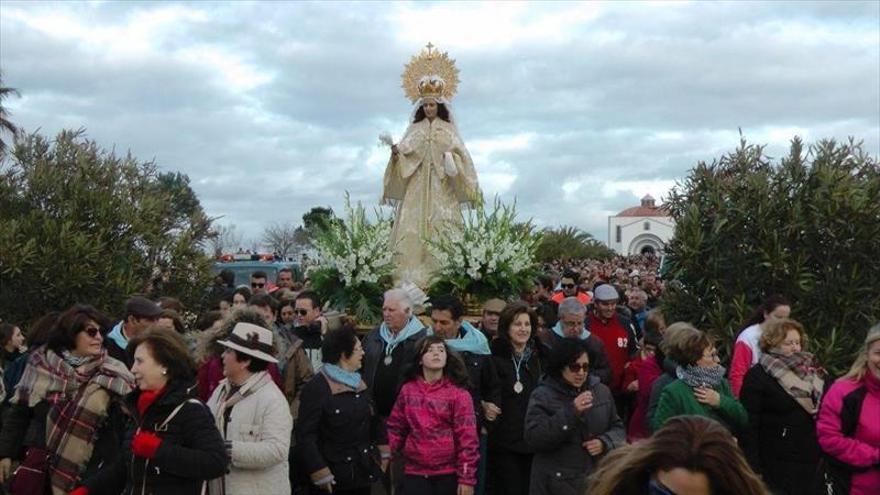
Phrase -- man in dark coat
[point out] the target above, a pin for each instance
(386, 350)
(140, 313)
(572, 315)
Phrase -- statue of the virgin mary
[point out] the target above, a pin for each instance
(430, 175)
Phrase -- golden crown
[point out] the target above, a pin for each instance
(430, 74)
(431, 86)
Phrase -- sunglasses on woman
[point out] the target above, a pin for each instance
(575, 368)
(92, 331)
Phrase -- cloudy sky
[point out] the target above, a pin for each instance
(574, 109)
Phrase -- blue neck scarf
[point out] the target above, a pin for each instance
(472, 341)
(557, 329)
(413, 326)
(117, 336)
(351, 379)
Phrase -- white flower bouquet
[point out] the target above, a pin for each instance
(356, 263)
(488, 255)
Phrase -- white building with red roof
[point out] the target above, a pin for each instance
(640, 229)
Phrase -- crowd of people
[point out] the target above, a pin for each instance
(579, 387)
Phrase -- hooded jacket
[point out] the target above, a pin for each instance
(859, 448)
(434, 428)
(556, 432)
(473, 348)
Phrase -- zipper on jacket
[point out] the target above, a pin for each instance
(144, 479)
(784, 432)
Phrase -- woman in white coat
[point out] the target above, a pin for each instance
(252, 415)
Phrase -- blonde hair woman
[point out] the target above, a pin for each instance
(848, 429)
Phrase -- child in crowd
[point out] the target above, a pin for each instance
(433, 426)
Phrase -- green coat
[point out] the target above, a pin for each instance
(677, 399)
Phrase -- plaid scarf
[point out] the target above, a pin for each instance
(799, 376)
(78, 401)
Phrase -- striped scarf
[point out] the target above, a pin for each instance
(799, 376)
(78, 402)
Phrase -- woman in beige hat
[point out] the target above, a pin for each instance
(252, 415)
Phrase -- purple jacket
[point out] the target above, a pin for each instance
(862, 449)
(434, 426)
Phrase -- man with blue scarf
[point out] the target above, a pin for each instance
(473, 347)
(386, 350)
(140, 313)
(389, 347)
(571, 324)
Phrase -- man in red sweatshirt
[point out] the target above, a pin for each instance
(616, 333)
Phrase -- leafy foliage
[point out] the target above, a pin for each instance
(317, 219)
(356, 263)
(807, 227)
(488, 255)
(6, 126)
(566, 243)
(81, 224)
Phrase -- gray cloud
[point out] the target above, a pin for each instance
(575, 110)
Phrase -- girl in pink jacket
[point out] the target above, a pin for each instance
(849, 424)
(433, 426)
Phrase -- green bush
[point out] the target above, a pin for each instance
(807, 227)
(80, 224)
(570, 243)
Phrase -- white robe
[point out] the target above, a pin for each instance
(425, 194)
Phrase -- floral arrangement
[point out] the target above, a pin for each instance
(488, 255)
(355, 263)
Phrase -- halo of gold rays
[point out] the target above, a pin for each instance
(429, 62)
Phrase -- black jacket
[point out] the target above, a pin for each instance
(484, 382)
(556, 432)
(338, 432)
(192, 450)
(26, 427)
(507, 431)
(780, 442)
(116, 352)
(310, 335)
(385, 391)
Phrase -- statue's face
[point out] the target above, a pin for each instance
(430, 108)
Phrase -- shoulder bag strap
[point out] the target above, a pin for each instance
(174, 413)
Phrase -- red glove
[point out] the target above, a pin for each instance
(80, 491)
(145, 444)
